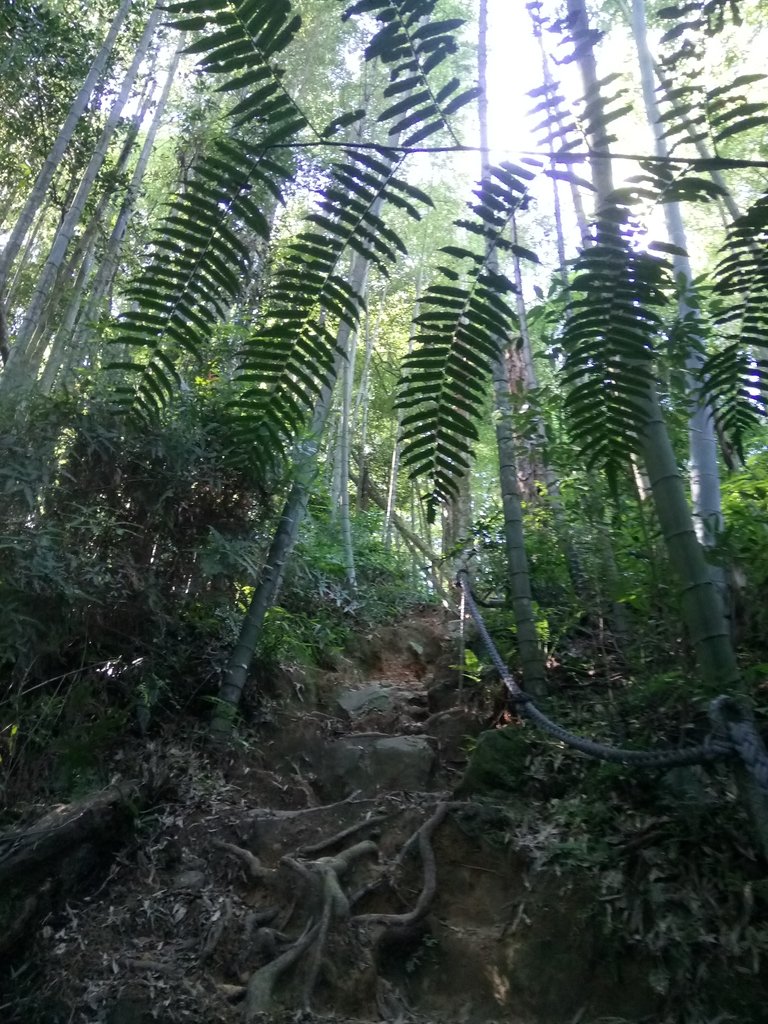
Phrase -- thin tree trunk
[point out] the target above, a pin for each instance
(271, 578)
(358, 274)
(394, 468)
(518, 575)
(540, 463)
(59, 344)
(53, 160)
(10, 199)
(576, 200)
(109, 261)
(704, 471)
(702, 605)
(17, 369)
(360, 412)
(345, 521)
(593, 589)
(83, 246)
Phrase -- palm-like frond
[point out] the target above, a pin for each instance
(286, 361)
(197, 268)
(199, 261)
(691, 113)
(736, 378)
(412, 43)
(610, 336)
(240, 41)
(464, 320)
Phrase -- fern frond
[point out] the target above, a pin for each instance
(558, 130)
(610, 336)
(464, 319)
(412, 43)
(691, 113)
(736, 384)
(196, 270)
(198, 261)
(741, 276)
(736, 378)
(240, 41)
(286, 362)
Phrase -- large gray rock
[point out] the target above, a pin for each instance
(376, 697)
(374, 763)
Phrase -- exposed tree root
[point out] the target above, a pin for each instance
(324, 875)
(325, 902)
(325, 844)
(255, 868)
(43, 864)
(261, 984)
(424, 837)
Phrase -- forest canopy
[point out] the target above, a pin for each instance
(305, 305)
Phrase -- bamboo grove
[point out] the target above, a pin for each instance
(626, 317)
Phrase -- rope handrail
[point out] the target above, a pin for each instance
(733, 733)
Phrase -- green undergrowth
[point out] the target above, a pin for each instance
(319, 611)
(679, 888)
(128, 555)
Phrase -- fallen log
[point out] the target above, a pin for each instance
(47, 861)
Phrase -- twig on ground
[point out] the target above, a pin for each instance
(153, 966)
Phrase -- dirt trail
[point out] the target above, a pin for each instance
(322, 869)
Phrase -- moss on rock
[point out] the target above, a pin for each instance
(498, 763)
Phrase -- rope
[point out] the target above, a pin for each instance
(734, 732)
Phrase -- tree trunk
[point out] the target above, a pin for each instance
(53, 160)
(265, 594)
(702, 605)
(360, 412)
(17, 368)
(59, 345)
(704, 471)
(518, 575)
(394, 468)
(73, 268)
(358, 274)
(109, 260)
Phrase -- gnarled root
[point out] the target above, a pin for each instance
(258, 993)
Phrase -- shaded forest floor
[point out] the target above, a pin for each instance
(330, 866)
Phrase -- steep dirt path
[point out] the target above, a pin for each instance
(296, 872)
(323, 868)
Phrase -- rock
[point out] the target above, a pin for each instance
(376, 697)
(453, 729)
(372, 762)
(441, 695)
(498, 762)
